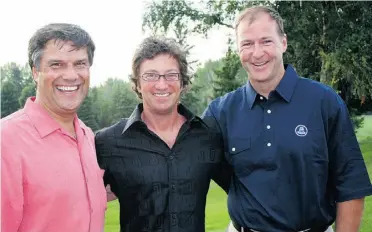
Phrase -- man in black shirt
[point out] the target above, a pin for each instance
(159, 161)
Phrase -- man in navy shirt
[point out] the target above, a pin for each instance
(297, 163)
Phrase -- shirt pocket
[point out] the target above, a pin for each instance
(239, 151)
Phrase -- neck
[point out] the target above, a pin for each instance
(66, 121)
(161, 122)
(265, 87)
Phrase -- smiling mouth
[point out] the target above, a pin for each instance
(161, 94)
(260, 64)
(67, 88)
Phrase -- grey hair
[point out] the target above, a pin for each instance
(149, 49)
(59, 32)
(252, 12)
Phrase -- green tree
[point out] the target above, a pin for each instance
(27, 91)
(327, 41)
(226, 76)
(123, 100)
(86, 113)
(12, 83)
(9, 98)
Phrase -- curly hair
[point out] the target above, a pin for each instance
(149, 49)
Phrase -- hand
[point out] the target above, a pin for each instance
(110, 195)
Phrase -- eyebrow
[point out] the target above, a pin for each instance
(263, 38)
(267, 37)
(166, 71)
(82, 60)
(54, 61)
(245, 41)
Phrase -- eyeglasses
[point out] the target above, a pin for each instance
(156, 77)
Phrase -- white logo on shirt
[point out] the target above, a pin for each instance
(301, 130)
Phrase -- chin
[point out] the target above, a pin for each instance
(164, 110)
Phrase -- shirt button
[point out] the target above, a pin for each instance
(171, 157)
(173, 186)
(269, 144)
(261, 98)
(269, 111)
(268, 127)
(233, 149)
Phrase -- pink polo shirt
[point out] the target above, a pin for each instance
(50, 182)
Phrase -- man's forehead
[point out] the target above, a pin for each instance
(246, 26)
(67, 45)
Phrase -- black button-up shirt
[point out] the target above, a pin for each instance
(294, 155)
(161, 188)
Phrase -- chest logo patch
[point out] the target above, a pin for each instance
(301, 130)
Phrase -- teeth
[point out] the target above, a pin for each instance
(260, 64)
(162, 94)
(67, 88)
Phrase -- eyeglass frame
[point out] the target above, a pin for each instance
(159, 76)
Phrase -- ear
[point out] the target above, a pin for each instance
(139, 86)
(284, 42)
(35, 74)
(185, 89)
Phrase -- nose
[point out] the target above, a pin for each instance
(161, 83)
(258, 51)
(70, 73)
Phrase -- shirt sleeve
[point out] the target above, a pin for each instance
(102, 153)
(222, 174)
(11, 187)
(347, 168)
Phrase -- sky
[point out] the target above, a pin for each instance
(114, 25)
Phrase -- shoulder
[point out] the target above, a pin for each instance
(15, 130)
(14, 123)
(87, 129)
(223, 102)
(325, 94)
(114, 130)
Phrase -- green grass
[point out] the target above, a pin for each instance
(217, 217)
(366, 131)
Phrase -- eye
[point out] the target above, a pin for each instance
(267, 42)
(150, 76)
(247, 44)
(81, 64)
(172, 76)
(56, 65)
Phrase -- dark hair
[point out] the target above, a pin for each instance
(252, 12)
(58, 32)
(153, 46)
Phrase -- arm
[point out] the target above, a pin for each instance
(102, 162)
(348, 173)
(222, 174)
(349, 215)
(11, 189)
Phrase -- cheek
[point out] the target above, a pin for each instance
(176, 86)
(244, 55)
(144, 87)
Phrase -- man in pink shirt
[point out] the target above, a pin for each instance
(50, 179)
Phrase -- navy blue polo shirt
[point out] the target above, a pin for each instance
(294, 155)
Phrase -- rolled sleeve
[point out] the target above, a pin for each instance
(347, 168)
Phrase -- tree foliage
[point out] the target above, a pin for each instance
(328, 41)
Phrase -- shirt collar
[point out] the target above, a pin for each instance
(136, 116)
(288, 83)
(285, 87)
(42, 121)
(251, 94)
